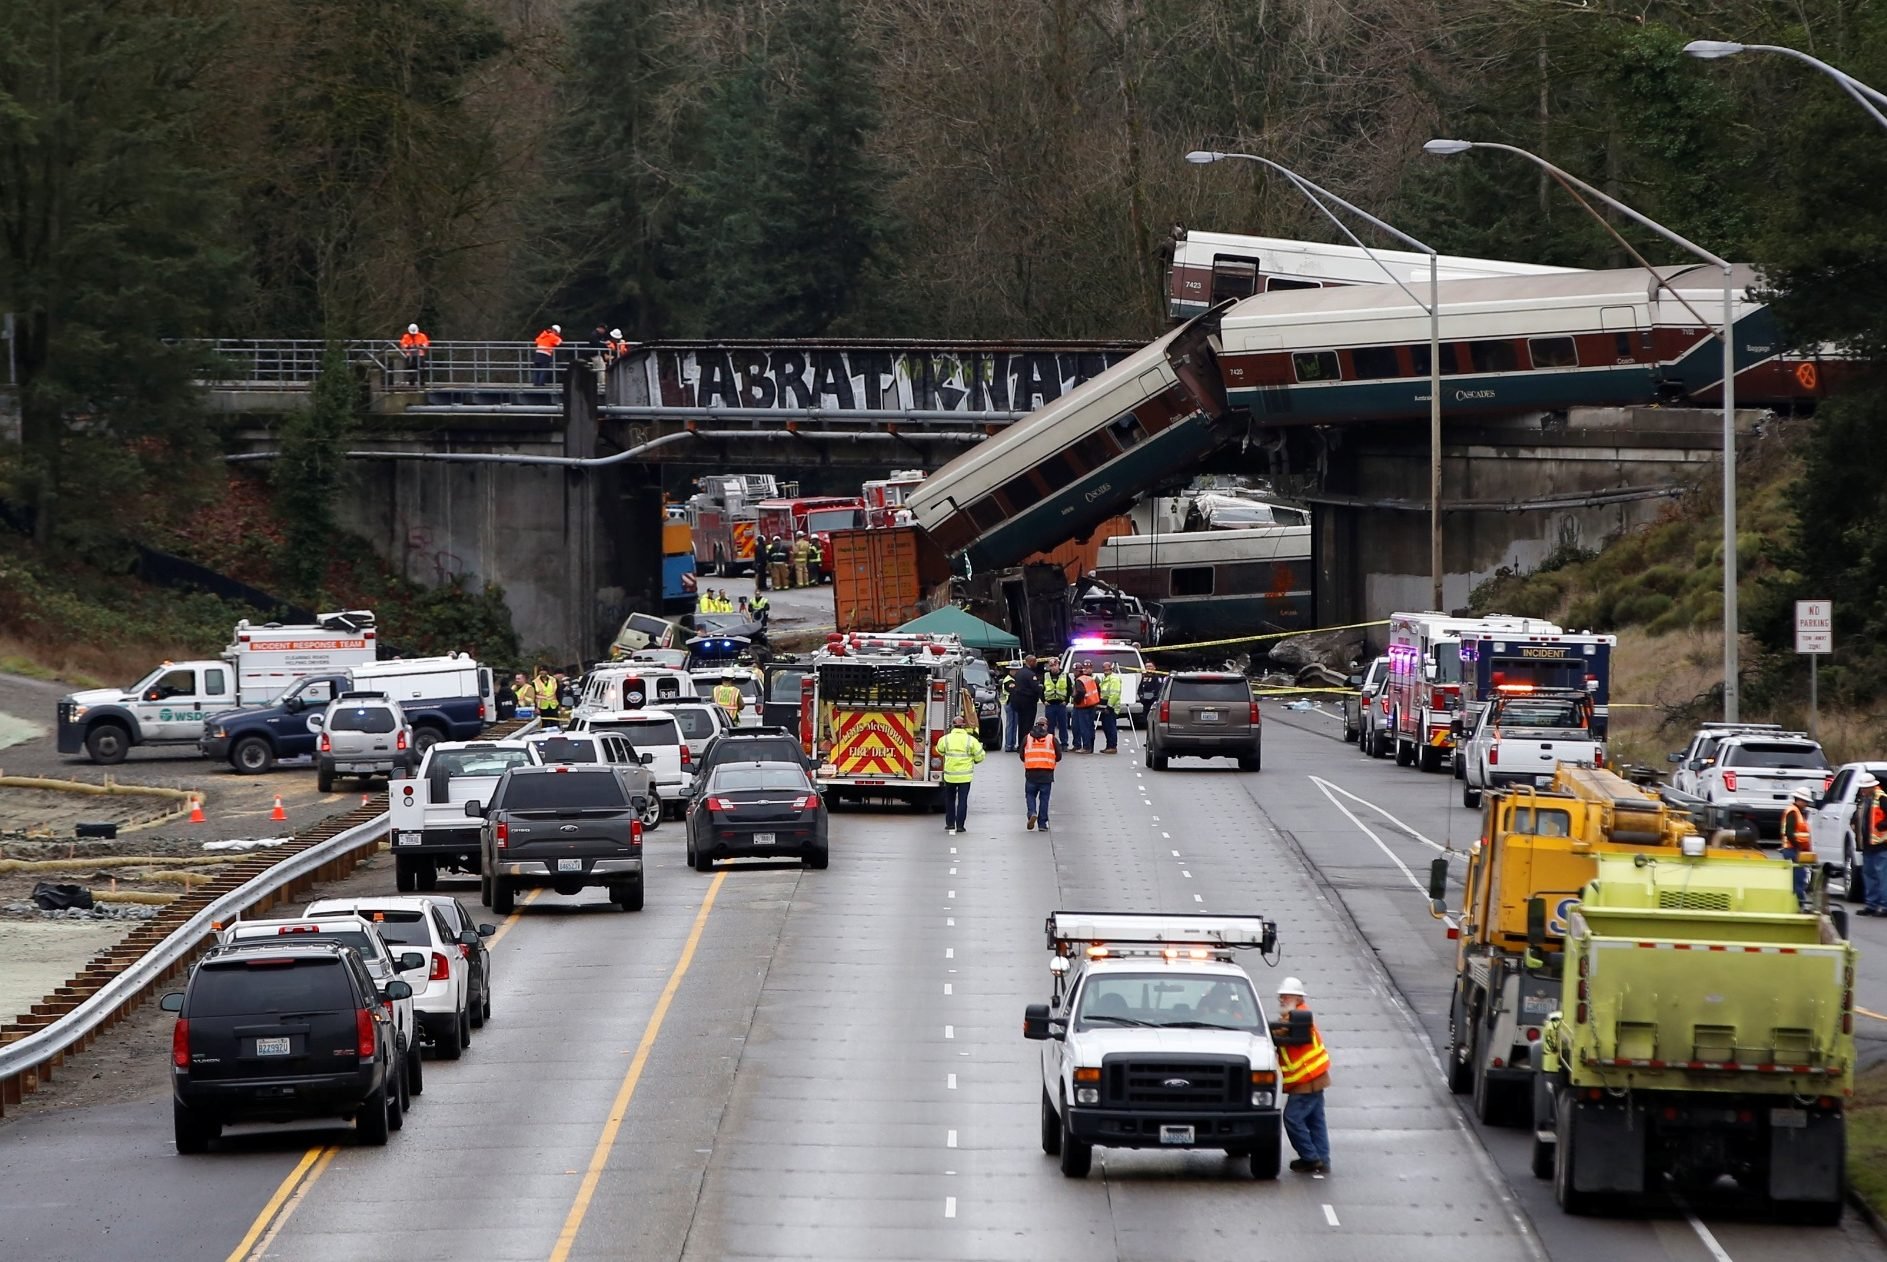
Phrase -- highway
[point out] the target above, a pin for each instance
(770, 1063)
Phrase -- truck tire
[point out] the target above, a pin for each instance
(504, 899)
(1470, 796)
(107, 744)
(1405, 753)
(1542, 1160)
(1569, 1198)
(1253, 761)
(405, 879)
(1460, 765)
(1349, 732)
(252, 756)
(425, 736)
(627, 896)
(1077, 1158)
(1051, 1127)
(484, 888)
(1378, 745)
(1428, 758)
(324, 777)
(652, 813)
(372, 1124)
(426, 874)
(192, 1133)
(1267, 1155)
(1855, 886)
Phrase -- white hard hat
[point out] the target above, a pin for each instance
(1801, 794)
(556, 328)
(1865, 781)
(1291, 986)
(616, 333)
(412, 328)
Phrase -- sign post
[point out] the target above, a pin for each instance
(1814, 635)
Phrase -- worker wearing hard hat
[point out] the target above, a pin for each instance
(414, 346)
(1870, 833)
(1795, 841)
(1304, 1073)
(544, 353)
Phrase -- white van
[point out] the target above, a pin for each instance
(445, 698)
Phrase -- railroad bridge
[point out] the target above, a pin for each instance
(551, 488)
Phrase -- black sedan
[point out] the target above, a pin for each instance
(748, 809)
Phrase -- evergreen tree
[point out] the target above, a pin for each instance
(310, 470)
(110, 242)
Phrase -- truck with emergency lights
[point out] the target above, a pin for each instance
(1515, 653)
(884, 498)
(1424, 687)
(1523, 735)
(1538, 849)
(1704, 1031)
(1154, 1037)
(874, 706)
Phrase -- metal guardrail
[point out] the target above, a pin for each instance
(294, 364)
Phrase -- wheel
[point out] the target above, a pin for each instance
(1051, 1127)
(446, 1044)
(1155, 759)
(1856, 882)
(818, 859)
(1429, 758)
(484, 1000)
(1253, 761)
(193, 1134)
(1366, 743)
(426, 874)
(504, 899)
(252, 756)
(405, 878)
(1267, 1154)
(397, 1099)
(1470, 796)
(1460, 766)
(424, 738)
(324, 779)
(1378, 745)
(1349, 732)
(702, 862)
(375, 1120)
(1570, 1198)
(1077, 1158)
(108, 744)
(484, 888)
(1460, 1067)
(1405, 753)
(627, 897)
(652, 813)
(478, 1013)
(415, 1072)
(465, 1028)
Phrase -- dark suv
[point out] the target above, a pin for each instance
(1204, 714)
(284, 1035)
(750, 744)
(563, 827)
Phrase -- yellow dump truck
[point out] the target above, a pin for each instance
(1538, 849)
(1705, 1030)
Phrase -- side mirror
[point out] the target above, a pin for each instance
(315, 720)
(397, 990)
(294, 705)
(1536, 924)
(1035, 1022)
(485, 931)
(410, 960)
(475, 809)
(172, 1002)
(1674, 758)
(1438, 885)
(470, 938)
(1356, 681)
(645, 759)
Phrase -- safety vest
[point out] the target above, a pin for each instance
(1794, 828)
(1087, 692)
(760, 604)
(961, 752)
(548, 341)
(727, 696)
(1306, 1062)
(1110, 691)
(1054, 687)
(414, 342)
(813, 554)
(1038, 753)
(619, 349)
(546, 689)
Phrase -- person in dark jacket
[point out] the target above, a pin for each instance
(1025, 692)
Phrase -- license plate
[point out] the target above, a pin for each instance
(1790, 1119)
(763, 839)
(1538, 1005)
(1542, 781)
(407, 839)
(1176, 1134)
(570, 865)
(271, 1047)
(1208, 716)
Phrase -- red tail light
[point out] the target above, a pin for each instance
(1729, 781)
(809, 803)
(399, 742)
(1166, 711)
(501, 833)
(687, 760)
(365, 1036)
(1254, 714)
(1598, 757)
(481, 709)
(717, 804)
(1493, 755)
(1383, 702)
(327, 746)
(635, 832)
(180, 1044)
(441, 969)
(1827, 783)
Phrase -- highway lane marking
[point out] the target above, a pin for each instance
(1717, 1252)
(1175, 853)
(1869, 1012)
(950, 1207)
(950, 1031)
(1330, 1215)
(1198, 898)
(619, 1108)
(950, 1082)
(282, 1193)
(1325, 786)
(950, 953)
(946, 988)
(512, 919)
(950, 1140)
(1183, 872)
(950, 894)
(950, 922)
(294, 1202)
(1407, 828)
(953, 871)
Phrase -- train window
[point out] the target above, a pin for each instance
(1276, 284)
(1622, 347)
(1191, 580)
(1375, 362)
(1059, 470)
(1452, 362)
(1127, 430)
(1493, 356)
(1093, 451)
(1553, 352)
(1022, 493)
(1233, 278)
(986, 514)
(1316, 366)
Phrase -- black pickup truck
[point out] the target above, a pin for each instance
(563, 828)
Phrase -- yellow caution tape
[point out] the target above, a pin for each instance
(1268, 635)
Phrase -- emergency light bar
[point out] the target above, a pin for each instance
(1081, 932)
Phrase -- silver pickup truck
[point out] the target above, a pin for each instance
(1523, 736)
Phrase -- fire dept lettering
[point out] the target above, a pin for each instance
(875, 742)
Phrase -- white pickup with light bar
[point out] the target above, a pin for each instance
(1158, 935)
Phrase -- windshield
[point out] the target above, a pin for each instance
(1447, 656)
(373, 719)
(696, 723)
(356, 938)
(1159, 999)
(398, 925)
(564, 749)
(654, 628)
(1542, 713)
(831, 519)
(976, 672)
(476, 762)
(1123, 659)
(758, 749)
(1777, 755)
(785, 685)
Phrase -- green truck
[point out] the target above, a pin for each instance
(1706, 1031)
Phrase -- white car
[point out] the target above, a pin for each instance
(748, 681)
(1128, 664)
(701, 722)
(557, 748)
(1701, 754)
(442, 985)
(1831, 822)
(652, 732)
(382, 963)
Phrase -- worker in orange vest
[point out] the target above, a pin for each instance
(617, 347)
(1795, 843)
(1040, 752)
(1087, 705)
(414, 345)
(1304, 1073)
(545, 356)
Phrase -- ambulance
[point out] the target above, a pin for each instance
(874, 706)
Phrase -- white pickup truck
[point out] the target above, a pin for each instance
(426, 813)
(1746, 784)
(1522, 737)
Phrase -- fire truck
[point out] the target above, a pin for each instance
(818, 516)
(885, 496)
(1424, 685)
(873, 708)
(724, 516)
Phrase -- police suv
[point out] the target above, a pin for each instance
(1155, 1038)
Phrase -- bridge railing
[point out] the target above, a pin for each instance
(295, 363)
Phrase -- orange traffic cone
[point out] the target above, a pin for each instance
(196, 811)
(278, 812)
(364, 798)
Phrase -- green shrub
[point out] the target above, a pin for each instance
(1641, 607)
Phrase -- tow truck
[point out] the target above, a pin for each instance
(873, 708)
(1154, 1037)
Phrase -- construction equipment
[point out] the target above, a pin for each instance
(1705, 1030)
(1539, 846)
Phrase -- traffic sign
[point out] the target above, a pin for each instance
(1814, 626)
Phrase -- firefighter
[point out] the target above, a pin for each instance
(802, 558)
(779, 561)
(727, 696)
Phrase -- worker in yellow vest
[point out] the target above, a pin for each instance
(1304, 1073)
(544, 688)
(961, 751)
(727, 696)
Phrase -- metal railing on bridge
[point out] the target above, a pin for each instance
(293, 364)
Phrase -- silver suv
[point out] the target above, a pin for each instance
(362, 734)
(1204, 714)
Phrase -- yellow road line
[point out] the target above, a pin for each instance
(619, 1108)
(282, 1193)
(294, 1202)
(1868, 1012)
(512, 919)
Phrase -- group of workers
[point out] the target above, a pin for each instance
(1870, 841)
(609, 346)
(1072, 705)
(545, 692)
(801, 563)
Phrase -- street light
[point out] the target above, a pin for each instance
(1316, 195)
(1444, 148)
(1716, 49)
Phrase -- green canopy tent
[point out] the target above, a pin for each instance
(976, 633)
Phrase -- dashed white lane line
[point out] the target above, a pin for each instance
(950, 1031)
(953, 850)
(1176, 854)
(1183, 872)
(953, 871)
(950, 894)
(950, 953)
(1197, 898)
(1168, 837)
(946, 988)
(1330, 1216)
(950, 1207)
(1717, 1252)
(950, 922)
(950, 1082)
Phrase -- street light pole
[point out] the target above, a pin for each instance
(1445, 148)
(1316, 194)
(1716, 49)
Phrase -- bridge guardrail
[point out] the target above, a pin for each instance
(295, 363)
